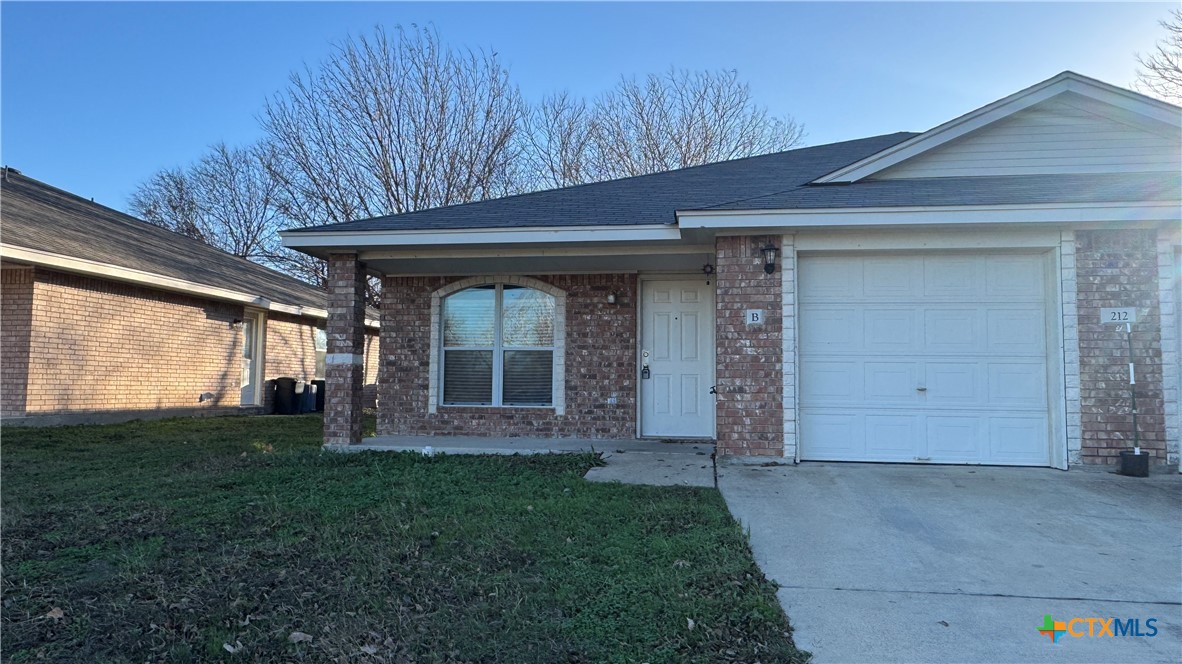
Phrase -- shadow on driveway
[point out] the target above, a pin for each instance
(897, 563)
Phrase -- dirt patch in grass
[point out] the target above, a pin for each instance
(237, 539)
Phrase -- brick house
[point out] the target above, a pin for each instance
(930, 297)
(104, 317)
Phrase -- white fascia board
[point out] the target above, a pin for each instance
(154, 280)
(758, 220)
(482, 236)
(1021, 100)
(532, 252)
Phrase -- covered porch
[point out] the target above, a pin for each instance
(598, 398)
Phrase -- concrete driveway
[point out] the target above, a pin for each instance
(881, 563)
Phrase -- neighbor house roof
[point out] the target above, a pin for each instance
(43, 225)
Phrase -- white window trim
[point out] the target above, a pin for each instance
(435, 379)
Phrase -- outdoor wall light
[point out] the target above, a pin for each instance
(611, 298)
(769, 257)
(236, 324)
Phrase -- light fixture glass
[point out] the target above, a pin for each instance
(769, 257)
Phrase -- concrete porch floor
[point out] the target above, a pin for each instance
(626, 461)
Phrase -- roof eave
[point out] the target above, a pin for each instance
(787, 220)
(157, 281)
(328, 242)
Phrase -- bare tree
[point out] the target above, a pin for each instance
(1161, 71)
(238, 198)
(558, 142)
(667, 121)
(226, 199)
(391, 124)
(169, 199)
(397, 122)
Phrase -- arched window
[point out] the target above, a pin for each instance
(498, 346)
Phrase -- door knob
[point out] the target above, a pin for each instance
(713, 390)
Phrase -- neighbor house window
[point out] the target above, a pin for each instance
(498, 346)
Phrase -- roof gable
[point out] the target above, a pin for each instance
(1067, 124)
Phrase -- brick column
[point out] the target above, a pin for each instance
(1118, 268)
(345, 361)
(749, 375)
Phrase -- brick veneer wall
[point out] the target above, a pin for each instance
(750, 406)
(16, 319)
(291, 351)
(99, 345)
(1118, 269)
(600, 361)
(80, 345)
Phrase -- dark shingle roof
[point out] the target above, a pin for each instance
(774, 181)
(986, 190)
(641, 200)
(34, 215)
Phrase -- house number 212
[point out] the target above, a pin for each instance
(1120, 315)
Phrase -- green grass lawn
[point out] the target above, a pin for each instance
(165, 541)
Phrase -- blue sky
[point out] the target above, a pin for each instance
(98, 96)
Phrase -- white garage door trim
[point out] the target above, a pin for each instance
(1058, 276)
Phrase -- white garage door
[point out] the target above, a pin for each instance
(938, 358)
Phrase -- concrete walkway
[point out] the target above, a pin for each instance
(676, 464)
(897, 563)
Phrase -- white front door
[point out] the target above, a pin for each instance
(252, 358)
(677, 347)
(938, 357)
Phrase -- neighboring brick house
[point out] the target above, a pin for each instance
(929, 297)
(104, 317)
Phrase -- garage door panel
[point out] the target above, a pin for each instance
(1015, 277)
(890, 277)
(939, 358)
(837, 436)
(952, 331)
(1017, 385)
(891, 382)
(830, 329)
(832, 382)
(954, 437)
(952, 277)
(1018, 440)
(831, 279)
(953, 383)
(1016, 331)
(890, 331)
(891, 437)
